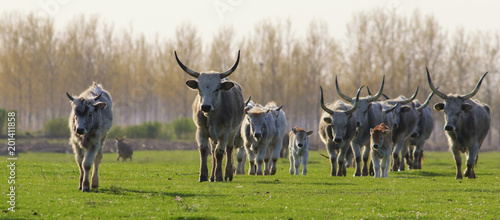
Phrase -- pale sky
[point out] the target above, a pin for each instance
(153, 17)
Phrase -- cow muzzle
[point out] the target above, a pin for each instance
(258, 136)
(449, 127)
(81, 131)
(300, 145)
(337, 140)
(375, 146)
(414, 134)
(206, 108)
(359, 124)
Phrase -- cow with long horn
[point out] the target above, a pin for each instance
(368, 115)
(405, 123)
(467, 122)
(337, 127)
(217, 114)
(423, 131)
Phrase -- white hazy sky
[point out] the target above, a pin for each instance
(162, 17)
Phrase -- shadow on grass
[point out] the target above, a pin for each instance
(419, 173)
(122, 191)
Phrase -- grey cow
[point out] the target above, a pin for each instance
(368, 115)
(405, 124)
(123, 149)
(467, 122)
(337, 127)
(299, 149)
(90, 119)
(262, 132)
(217, 114)
(423, 131)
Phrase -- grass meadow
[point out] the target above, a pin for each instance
(164, 184)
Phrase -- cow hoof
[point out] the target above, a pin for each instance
(86, 189)
(80, 188)
(230, 178)
(203, 179)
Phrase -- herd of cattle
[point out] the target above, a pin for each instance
(365, 125)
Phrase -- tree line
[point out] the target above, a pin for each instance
(38, 64)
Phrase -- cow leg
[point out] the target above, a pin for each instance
(275, 155)
(229, 159)
(240, 156)
(267, 166)
(203, 148)
(333, 158)
(95, 171)
(404, 157)
(88, 160)
(471, 162)
(260, 159)
(251, 160)
(220, 149)
(341, 160)
(376, 165)
(386, 162)
(458, 161)
(79, 160)
(370, 169)
(357, 154)
(213, 147)
(291, 158)
(417, 155)
(395, 156)
(305, 159)
(366, 156)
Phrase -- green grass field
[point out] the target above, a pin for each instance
(164, 184)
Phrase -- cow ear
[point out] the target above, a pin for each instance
(192, 84)
(439, 106)
(371, 130)
(466, 107)
(226, 86)
(309, 133)
(405, 108)
(100, 105)
(294, 131)
(327, 120)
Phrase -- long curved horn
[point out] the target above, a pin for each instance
(232, 69)
(248, 100)
(393, 107)
(411, 98)
(70, 97)
(347, 98)
(425, 103)
(350, 111)
(470, 95)
(98, 96)
(185, 68)
(379, 93)
(323, 106)
(368, 90)
(438, 93)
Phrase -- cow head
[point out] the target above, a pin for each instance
(364, 104)
(120, 140)
(83, 112)
(402, 108)
(378, 135)
(454, 105)
(257, 118)
(301, 136)
(339, 120)
(209, 85)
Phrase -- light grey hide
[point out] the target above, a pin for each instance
(241, 154)
(467, 122)
(368, 115)
(217, 114)
(123, 149)
(421, 134)
(405, 123)
(262, 132)
(90, 119)
(381, 151)
(337, 127)
(299, 149)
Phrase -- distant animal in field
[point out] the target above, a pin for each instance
(299, 149)
(381, 149)
(90, 119)
(123, 149)
(217, 114)
(467, 122)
